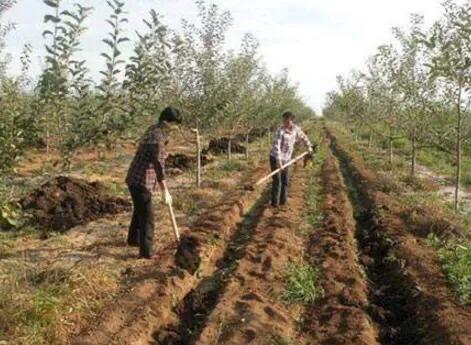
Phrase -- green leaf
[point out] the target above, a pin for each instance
(51, 18)
(52, 3)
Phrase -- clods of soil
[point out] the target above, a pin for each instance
(187, 255)
(181, 162)
(254, 134)
(221, 146)
(65, 202)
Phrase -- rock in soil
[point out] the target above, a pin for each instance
(220, 146)
(65, 202)
(188, 255)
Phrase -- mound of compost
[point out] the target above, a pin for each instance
(65, 202)
(220, 146)
(183, 162)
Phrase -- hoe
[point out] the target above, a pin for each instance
(304, 155)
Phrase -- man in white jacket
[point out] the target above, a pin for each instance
(281, 152)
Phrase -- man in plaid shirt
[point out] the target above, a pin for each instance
(281, 152)
(146, 170)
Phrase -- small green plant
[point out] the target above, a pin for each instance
(457, 265)
(302, 284)
(10, 215)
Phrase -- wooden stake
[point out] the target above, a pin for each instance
(198, 157)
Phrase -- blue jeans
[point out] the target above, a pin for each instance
(279, 190)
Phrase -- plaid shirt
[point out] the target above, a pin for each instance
(284, 140)
(148, 165)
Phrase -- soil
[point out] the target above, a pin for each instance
(187, 255)
(240, 303)
(179, 162)
(414, 300)
(147, 304)
(254, 134)
(341, 316)
(220, 146)
(446, 187)
(65, 202)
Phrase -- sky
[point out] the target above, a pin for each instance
(316, 40)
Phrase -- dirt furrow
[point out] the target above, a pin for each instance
(148, 304)
(411, 299)
(341, 316)
(241, 303)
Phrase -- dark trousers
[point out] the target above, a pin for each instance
(279, 190)
(141, 230)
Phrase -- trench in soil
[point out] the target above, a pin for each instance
(392, 294)
(196, 306)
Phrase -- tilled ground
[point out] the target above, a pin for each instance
(381, 284)
(241, 302)
(341, 316)
(132, 317)
(410, 298)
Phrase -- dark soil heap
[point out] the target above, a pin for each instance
(65, 202)
(254, 134)
(183, 162)
(220, 146)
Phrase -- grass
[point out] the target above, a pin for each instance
(457, 265)
(456, 262)
(232, 165)
(36, 302)
(302, 284)
(314, 213)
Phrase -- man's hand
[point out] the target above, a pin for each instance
(166, 197)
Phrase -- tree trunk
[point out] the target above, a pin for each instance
(48, 138)
(198, 159)
(390, 147)
(414, 152)
(458, 155)
(229, 149)
(247, 146)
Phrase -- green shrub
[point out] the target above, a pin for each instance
(457, 265)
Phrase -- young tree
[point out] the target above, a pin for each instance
(417, 90)
(112, 111)
(55, 81)
(450, 51)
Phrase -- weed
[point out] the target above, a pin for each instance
(302, 284)
(456, 261)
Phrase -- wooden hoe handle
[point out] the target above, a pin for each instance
(174, 223)
(294, 160)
